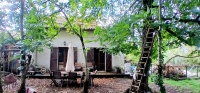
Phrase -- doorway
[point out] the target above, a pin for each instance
(62, 57)
(58, 58)
(99, 59)
(102, 61)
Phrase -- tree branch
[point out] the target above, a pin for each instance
(180, 56)
(184, 20)
(68, 20)
(174, 34)
(130, 7)
(9, 34)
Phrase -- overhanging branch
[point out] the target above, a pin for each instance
(61, 9)
(184, 20)
(174, 34)
(9, 35)
(180, 56)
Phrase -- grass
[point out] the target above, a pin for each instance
(190, 84)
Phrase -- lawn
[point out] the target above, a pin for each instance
(190, 84)
(182, 86)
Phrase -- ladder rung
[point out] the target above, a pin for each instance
(144, 57)
(142, 62)
(147, 46)
(148, 42)
(135, 86)
(146, 51)
(140, 68)
(139, 74)
(150, 32)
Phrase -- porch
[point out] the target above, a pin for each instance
(99, 74)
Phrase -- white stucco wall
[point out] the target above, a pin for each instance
(118, 60)
(43, 58)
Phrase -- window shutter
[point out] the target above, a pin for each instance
(108, 62)
(90, 55)
(54, 59)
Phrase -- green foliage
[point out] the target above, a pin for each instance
(127, 31)
(189, 84)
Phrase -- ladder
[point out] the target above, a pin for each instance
(139, 82)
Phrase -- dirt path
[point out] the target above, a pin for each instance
(102, 85)
(169, 89)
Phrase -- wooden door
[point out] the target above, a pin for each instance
(108, 62)
(54, 59)
(101, 61)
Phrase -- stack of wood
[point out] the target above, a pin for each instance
(9, 79)
(173, 71)
(170, 71)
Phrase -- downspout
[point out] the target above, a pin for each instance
(36, 53)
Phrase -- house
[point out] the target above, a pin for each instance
(56, 58)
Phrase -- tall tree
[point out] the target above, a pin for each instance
(160, 55)
(79, 16)
(127, 31)
(22, 88)
(37, 28)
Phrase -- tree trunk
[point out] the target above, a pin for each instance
(160, 66)
(1, 89)
(22, 88)
(160, 56)
(86, 79)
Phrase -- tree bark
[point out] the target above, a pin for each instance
(1, 89)
(22, 88)
(160, 56)
(86, 79)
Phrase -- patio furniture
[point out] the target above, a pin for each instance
(56, 77)
(82, 79)
(90, 66)
(91, 78)
(51, 76)
(78, 66)
(72, 78)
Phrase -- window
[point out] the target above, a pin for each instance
(61, 55)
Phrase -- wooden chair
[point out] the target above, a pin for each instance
(51, 76)
(90, 66)
(82, 79)
(72, 78)
(91, 78)
(56, 76)
(78, 66)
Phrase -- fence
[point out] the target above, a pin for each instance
(181, 71)
(192, 71)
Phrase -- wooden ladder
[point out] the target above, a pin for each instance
(138, 83)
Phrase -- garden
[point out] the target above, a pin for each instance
(160, 37)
